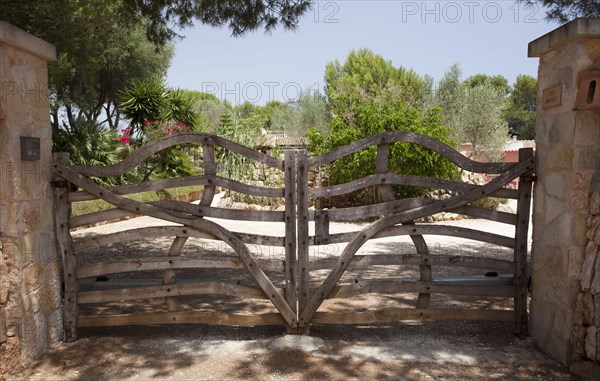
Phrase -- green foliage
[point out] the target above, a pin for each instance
(160, 18)
(155, 111)
(498, 82)
(272, 109)
(145, 100)
(300, 115)
(481, 121)
(151, 100)
(372, 118)
(448, 95)
(473, 110)
(88, 143)
(367, 95)
(566, 10)
(524, 93)
(247, 133)
(100, 48)
(521, 111)
(521, 122)
(211, 114)
(365, 76)
(491, 203)
(241, 17)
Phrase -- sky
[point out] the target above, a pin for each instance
(488, 37)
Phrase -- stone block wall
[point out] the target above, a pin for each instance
(30, 290)
(586, 331)
(568, 154)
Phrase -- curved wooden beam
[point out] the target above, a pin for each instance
(412, 137)
(144, 152)
(385, 208)
(399, 179)
(224, 213)
(204, 180)
(86, 243)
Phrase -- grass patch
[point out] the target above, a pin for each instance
(489, 202)
(85, 207)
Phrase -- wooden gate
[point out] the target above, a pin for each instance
(287, 281)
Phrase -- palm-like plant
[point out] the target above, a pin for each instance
(144, 100)
(88, 143)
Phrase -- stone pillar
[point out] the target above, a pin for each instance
(568, 152)
(30, 300)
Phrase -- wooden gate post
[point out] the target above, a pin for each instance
(291, 268)
(521, 229)
(63, 236)
(303, 243)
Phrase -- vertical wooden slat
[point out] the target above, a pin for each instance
(210, 168)
(303, 260)
(169, 275)
(69, 260)
(291, 268)
(521, 234)
(384, 191)
(321, 227)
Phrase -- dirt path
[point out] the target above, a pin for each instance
(408, 351)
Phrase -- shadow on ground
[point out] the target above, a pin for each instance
(411, 351)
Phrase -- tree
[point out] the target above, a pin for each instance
(365, 76)
(566, 10)
(521, 111)
(524, 92)
(161, 18)
(91, 143)
(373, 118)
(271, 110)
(102, 45)
(448, 95)
(497, 81)
(151, 100)
(473, 110)
(308, 111)
(156, 111)
(481, 122)
(367, 96)
(99, 50)
(240, 16)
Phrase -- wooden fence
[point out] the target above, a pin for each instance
(286, 281)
